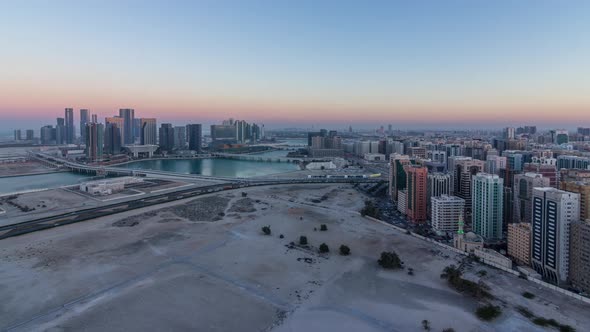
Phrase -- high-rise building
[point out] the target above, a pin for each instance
(583, 189)
(548, 171)
(579, 265)
(522, 193)
(438, 184)
(137, 129)
(572, 162)
(194, 135)
(30, 134)
(446, 212)
(584, 131)
(149, 131)
(553, 212)
(94, 141)
(83, 121)
(486, 205)
(223, 132)
(47, 135)
(113, 139)
(128, 116)
(519, 243)
(462, 173)
(70, 135)
(509, 133)
(416, 177)
(17, 135)
(166, 137)
(397, 174)
(494, 164)
(180, 137)
(561, 136)
(241, 131)
(60, 132)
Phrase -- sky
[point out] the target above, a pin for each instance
(414, 63)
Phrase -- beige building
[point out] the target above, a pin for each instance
(584, 190)
(579, 273)
(519, 243)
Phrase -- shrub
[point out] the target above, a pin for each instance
(525, 312)
(324, 248)
(449, 329)
(244, 194)
(323, 227)
(426, 325)
(281, 236)
(303, 240)
(390, 260)
(482, 273)
(266, 230)
(344, 250)
(528, 295)
(488, 312)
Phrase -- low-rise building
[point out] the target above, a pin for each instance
(493, 257)
(108, 186)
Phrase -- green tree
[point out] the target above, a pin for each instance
(390, 260)
(266, 230)
(303, 240)
(324, 248)
(344, 250)
(323, 227)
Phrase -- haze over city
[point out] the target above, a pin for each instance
(280, 166)
(419, 64)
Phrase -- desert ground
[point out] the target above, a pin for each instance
(204, 264)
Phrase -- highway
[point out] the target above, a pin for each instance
(96, 212)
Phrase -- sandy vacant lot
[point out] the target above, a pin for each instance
(174, 268)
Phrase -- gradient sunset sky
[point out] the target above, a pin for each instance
(414, 63)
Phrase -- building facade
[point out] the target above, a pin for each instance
(519, 243)
(487, 205)
(522, 193)
(416, 191)
(446, 212)
(553, 212)
(579, 268)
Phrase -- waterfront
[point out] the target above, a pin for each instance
(41, 181)
(214, 167)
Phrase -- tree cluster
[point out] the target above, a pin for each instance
(390, 260)
(454, 276)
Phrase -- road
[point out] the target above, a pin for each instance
(91, 213)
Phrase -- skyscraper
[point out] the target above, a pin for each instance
(553, 212)
(397, 174)
(69, 126)
(416, 187)
(83, 121)
(47, 135)
(166, 137)
(194, 135)
(128, 116)
(17, 135)
(180, 137)
(60, 132)
(112, 135)
(486, 205)
(523, 194)
(149, 131)
(579, 267)
(94, 134)
(30, 134)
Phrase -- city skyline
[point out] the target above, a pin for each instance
(417, 65)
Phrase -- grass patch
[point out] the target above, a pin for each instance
(488, 312)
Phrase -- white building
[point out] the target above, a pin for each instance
(108, 186)
(553, 211)
(446, 212)
(492, 257)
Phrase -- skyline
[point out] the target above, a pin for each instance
(457, 64)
